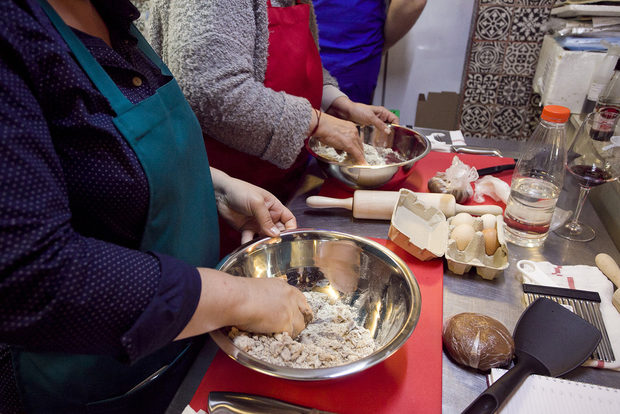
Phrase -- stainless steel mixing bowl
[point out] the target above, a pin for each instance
(351, 269)
(410, 144)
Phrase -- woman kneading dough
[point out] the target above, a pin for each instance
(252, 72)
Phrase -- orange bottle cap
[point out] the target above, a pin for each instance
(555, 113)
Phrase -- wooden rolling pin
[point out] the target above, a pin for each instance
(369, 204)
(610, 268)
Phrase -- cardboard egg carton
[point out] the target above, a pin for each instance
(419, 229)
(423, 231)
(488, 267)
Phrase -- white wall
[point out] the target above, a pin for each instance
(430, 58)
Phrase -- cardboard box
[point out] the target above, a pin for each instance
(439, 111)
(563, 76)
(424, 232)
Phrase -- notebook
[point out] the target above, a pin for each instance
(541, 394)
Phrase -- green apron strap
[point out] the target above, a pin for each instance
(146, 48)
(182, 219)
(96, 73)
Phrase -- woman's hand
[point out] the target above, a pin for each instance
(362, 114)
(250, 209)
(258, 305)
(342, 135)
(272, 305)
(337, 127)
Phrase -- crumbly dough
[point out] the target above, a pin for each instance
(373, 155)
(333, 338)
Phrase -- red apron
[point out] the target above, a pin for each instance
(293, 66)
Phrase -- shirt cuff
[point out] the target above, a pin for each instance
(169, 310)
(330, 94)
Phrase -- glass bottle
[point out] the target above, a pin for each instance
(601, 76)
(607, 108)
(537, 180)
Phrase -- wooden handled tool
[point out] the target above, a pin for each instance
(369, 204)
(610, 268)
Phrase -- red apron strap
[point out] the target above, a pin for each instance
(293, 66)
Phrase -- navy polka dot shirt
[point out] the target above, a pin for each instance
(74, 200)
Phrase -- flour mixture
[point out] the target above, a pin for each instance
(373, 155)
(333, 338)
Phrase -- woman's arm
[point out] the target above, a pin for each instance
(63, 292)
(210, 46)
(60, 290)
(250, 209)
(362, 114)
(401, 16)
(256, 305)
(253, 304)
(218, 52)
(338, 108)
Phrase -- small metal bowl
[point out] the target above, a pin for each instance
(351, 269)
(409, 144)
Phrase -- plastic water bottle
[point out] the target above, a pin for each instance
(537, 180)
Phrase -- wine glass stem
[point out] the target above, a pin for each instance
(583, 194)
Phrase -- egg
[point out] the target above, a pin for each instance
(462, 235)
(462, 218)
(488, 221)
(491, 243)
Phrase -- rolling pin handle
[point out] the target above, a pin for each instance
(329, 202)
(480, 209)
(609, 267)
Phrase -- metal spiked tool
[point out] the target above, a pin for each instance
(583, 303)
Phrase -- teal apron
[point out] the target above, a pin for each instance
(182, 222)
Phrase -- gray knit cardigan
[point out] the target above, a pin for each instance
(217, 50)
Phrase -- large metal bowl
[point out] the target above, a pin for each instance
(410, 144)
(354, 270)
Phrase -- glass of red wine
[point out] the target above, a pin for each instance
(592, 161)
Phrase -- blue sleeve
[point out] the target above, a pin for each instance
(59, 290)
(168, 312)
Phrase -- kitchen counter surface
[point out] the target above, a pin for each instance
(499, 298)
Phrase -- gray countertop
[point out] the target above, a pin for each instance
(499, 298)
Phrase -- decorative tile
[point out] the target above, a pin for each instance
(535, 101)
(541, 3)
(486, 57)
(481, 88)
(527, 22)
(531, 121)
(505, 2)
(507, 121)
(514, 90)
(497, 100)
(493, 23)
(534, 112)
(475, 118)
(521, 58)
(475, 135)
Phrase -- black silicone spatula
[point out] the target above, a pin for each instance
(549, 340)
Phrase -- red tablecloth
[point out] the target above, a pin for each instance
(425, 169)
(407, 382)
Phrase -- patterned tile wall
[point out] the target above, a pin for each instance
(497, 100)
